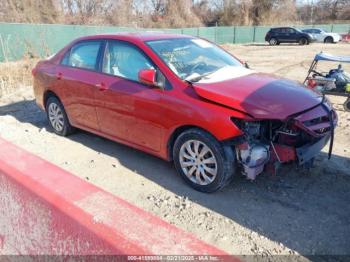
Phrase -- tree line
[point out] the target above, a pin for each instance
(175, 13)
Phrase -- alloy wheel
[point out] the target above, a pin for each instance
(198, 162)
(273, 41)
(302, 41)
(56, 117)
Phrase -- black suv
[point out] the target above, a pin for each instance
(278, 35)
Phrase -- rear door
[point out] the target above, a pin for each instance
(294, 35)
(283, 35)
(77, 78)
(276, 33)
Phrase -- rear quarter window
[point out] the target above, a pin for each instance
(83, 55)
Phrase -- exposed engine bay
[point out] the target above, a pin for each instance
(298, 139)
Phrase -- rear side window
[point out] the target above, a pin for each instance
(83, 55)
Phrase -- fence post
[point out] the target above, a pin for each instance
(254, 29)
(234, 35)
(215, 37)
(332, 27)
(197, 31)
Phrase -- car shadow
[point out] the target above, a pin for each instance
(266, 44)
(307, 211)
(257, 44)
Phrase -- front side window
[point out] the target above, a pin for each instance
(124, 60)
(83, 55)
(191, 58)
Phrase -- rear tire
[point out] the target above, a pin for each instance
(347, 105)
(273, 41)
(329, 40)
(203, 162)
(303, 41)
(57, 117)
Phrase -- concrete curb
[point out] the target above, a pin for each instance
(46, 210)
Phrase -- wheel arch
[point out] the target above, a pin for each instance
(303, 37)
(328, 37)
(180, 129)
(175, 134)
(47, 95)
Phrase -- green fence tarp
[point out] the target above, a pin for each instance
(19, 40)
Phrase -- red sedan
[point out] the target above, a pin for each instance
(183, 99)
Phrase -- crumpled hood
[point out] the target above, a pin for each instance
(262, 96)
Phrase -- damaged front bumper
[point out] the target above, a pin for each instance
(299, 139)
(309, 151)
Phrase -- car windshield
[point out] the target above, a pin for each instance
(191, 58)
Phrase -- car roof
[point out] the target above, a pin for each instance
(135, 36)
(282, 27)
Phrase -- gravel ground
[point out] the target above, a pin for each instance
(296, 212)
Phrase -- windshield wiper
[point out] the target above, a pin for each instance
(196, 77)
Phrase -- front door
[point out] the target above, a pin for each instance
(289, 35)
(127, 109)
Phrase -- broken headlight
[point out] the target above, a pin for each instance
(251, 129)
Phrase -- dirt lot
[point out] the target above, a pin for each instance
(292, 213)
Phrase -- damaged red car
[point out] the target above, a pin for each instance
(185, 100)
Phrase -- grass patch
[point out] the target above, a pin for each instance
(14, 75)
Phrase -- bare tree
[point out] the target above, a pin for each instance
(173, 13)
(28, 11)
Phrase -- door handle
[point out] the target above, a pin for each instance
(59, 76)
(101, 86)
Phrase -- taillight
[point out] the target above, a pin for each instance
(34, 71)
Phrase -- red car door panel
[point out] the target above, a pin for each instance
(76, 79)
(129, 111)
(77, 87)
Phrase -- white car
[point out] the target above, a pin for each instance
(322, 36)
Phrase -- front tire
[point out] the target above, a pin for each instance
(203, 162)
(57, 117)
(303, 41)
(329, 40)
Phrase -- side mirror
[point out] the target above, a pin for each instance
(246, 65)
(148, 77)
